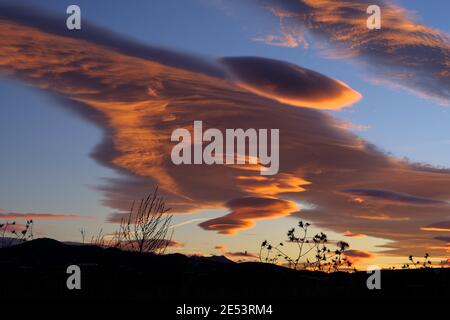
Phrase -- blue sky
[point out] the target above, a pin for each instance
(54, 173)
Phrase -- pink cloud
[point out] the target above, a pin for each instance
(37, 216)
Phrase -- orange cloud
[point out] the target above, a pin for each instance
(356, 256)
(244, 211)
(290, 36)
(354, 235)
(443, 226)
(435, 229)
(284, 40)
(271, 186)
(290, 84)
(393, 197)
(37, 216)
(403, 53)
(382, 217)
(173, 243)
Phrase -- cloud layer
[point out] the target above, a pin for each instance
(356, 256)
(403, 53)
(289, 83)
(38, 216)
(245, 211)
(139, 98)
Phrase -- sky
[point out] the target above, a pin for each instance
(51, 162)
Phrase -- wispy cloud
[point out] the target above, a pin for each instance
(393, 197)
(183, 223)
(442, 226)
(356, 256)
(382, 217)
(403, 53)
(354, 235)
(38, 216)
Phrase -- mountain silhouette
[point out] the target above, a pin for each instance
(37, 269)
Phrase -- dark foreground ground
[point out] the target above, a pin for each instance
(37, 269)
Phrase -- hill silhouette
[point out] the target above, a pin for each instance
(37, 269)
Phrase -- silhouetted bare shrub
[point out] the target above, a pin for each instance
(145, 228)
(425, 264)
(324, 259)
(11, 233)
(83, 234)
(98, 239)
